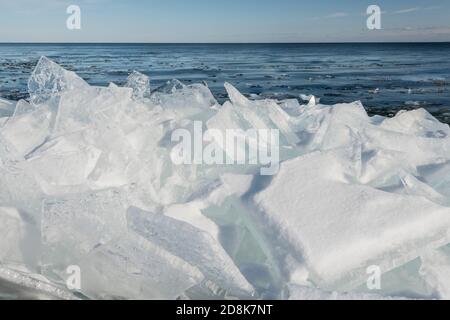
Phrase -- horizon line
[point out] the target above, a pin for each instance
(235, 43)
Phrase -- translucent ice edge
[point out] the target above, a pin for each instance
(15, 284)
(87, 180)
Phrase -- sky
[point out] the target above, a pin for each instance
(205, 21)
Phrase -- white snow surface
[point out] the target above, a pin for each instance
(86, 179)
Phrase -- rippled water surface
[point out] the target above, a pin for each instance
(385, 77)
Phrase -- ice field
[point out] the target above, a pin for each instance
(86, 179)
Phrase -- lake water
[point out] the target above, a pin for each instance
(385, 77)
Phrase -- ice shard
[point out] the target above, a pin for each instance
(192, 245)
(140, 84)
(50, 80)
(74, 225)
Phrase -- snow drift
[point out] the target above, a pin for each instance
(86, 179)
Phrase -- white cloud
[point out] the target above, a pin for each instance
(333, 15)
(337, 15)
(408, 10)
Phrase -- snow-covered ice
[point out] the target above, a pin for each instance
(340, 227)
(86, 179)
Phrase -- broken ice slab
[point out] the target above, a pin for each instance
(74, 225)
(343, 124)
(295, 292)
(20, 243)
(247, 114)
(89, 230)
(437, 176)
(134, 268)
(419, 123)
(413, 186)
(78, 110)
(241, 236)
(18, 284)
(118, 163)
(111, 170)
(170, 87)
(63, 162)
(312, 100)
(18, 188)
(404, 281)
(50, 80)
(192, 245)
(341, 228)
(386, 152)
(140, 84)
(186, 102)
(23, 107)
(435, 270)
(6, 108)
(27, 131)
(3, 121)
(194, 213)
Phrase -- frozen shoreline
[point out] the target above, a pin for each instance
(86, 179)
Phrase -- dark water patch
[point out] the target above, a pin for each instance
(382, 76)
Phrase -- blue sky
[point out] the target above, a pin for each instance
(223, 21)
